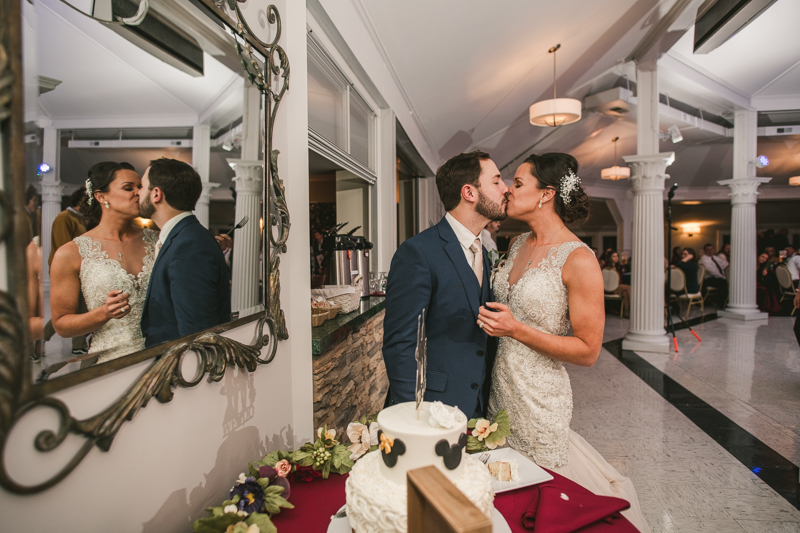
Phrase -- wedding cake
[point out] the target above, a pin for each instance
(376, 488)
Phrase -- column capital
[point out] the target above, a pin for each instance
(51, 191)
(208, 186)
(248, 175)
(648, 172)
(744, 190)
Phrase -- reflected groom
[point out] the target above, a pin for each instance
(189, 286)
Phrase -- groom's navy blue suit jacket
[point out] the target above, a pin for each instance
(431, 271)
(189, 287)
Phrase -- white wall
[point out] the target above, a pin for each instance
(175, 459)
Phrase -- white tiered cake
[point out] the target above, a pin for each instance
(376, 491)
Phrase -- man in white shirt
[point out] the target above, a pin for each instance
(715, 275)
(793, 263)
(488, 234)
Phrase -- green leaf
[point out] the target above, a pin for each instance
(252, 468)
(472, 422)
(264, 482)
(326, 469)
(474, 445)
(216, 524)
(215, 511)
(503, 427)
(263, 522)
(276, 490)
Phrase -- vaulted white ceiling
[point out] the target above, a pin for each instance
(472, 69)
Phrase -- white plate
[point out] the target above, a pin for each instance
(529, 472)
(342, 525)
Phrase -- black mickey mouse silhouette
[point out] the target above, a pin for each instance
(396, 449)
(451, 454)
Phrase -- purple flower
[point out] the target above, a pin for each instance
(251, 495)
(276, 479)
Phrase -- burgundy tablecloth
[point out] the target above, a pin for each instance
(317, 501)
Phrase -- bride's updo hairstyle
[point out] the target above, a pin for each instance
(100, 177)
(549, 169)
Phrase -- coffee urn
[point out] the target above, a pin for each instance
(361, 264)
(340, 252)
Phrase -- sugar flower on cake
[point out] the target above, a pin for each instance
(251, 495)
(233, 509)
(283, 467)
(444, 416)
(361, 437)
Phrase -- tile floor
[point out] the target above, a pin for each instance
(685, 480)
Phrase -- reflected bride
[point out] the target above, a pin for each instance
(109, 265)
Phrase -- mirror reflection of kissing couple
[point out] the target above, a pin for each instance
(141, 287)
(499, 342)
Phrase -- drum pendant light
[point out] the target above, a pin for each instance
(556, 111)
(615, 173)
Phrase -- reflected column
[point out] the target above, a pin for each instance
(246, 241)
(201, 161)
(52, 188)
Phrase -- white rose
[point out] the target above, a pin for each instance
(444, 416)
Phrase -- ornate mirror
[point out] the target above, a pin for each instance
(94, 96)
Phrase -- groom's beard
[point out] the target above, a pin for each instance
(147, 208)
(487, 208)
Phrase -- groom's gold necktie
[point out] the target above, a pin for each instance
(477, 260)
(158, 249)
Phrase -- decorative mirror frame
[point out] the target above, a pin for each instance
(215, 353)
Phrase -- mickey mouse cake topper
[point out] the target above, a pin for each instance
(451, 454)
(390, 448)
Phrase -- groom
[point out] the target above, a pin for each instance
(189, 287)
(445, 269)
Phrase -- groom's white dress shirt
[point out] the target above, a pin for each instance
(464, 236)
(168, 225)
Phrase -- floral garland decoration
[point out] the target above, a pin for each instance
(485, 435)
(266, 488)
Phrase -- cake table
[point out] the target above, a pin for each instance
(317, 501)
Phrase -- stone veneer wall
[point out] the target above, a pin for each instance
(350, 379)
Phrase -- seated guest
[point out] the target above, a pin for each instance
(688, 264)
(766, 285)
(726, 251)
(772, 256)
(793, 264)
(676, 256)
(715, 275)
(611, 261)
(189, 283)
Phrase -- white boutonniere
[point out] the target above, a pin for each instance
(496, 260)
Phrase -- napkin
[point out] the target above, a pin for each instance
(555, 510)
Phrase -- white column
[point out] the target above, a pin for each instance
(742, 282)
(201, 161)
(51, 193)
(744, 191)
(246, 241)
(384, 196)
(647, 107)
(648, 173)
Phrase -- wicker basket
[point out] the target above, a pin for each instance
(319, 315)
(348, 302)
(333, 311)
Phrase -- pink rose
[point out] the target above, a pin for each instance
(283, 467)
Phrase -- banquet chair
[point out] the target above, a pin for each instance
(701, 276)
(786, 285)
(611, 287)
(678, 284)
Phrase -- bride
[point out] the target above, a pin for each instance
(110, 264)
(550, 281)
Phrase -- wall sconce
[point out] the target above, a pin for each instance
(691, 229)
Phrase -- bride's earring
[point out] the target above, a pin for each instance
(107, 206)
(540, 203)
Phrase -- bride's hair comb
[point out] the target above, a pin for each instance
(89, 191)
(569, 183)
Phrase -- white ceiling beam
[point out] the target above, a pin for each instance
(782, 102)
(765, 192)
(684, 68)
(80, 123)
(233, 88)
(649, 47)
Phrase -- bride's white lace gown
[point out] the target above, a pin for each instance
(535, 389)
(99, 275)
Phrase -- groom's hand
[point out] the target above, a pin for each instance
(116, 305)
(497, 320)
